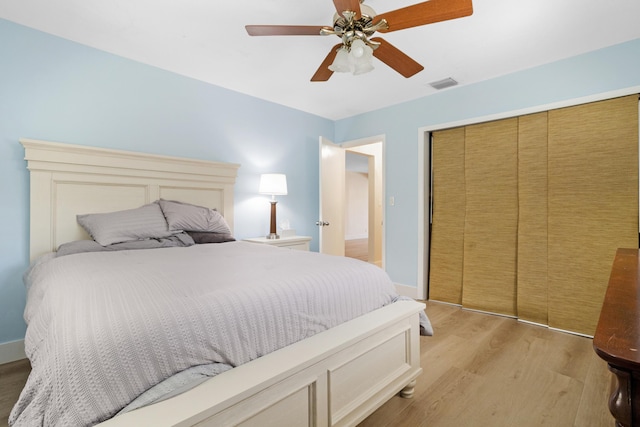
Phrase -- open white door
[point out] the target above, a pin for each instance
(332, 197)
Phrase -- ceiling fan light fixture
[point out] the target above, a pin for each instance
(362, 59)
(341, 62)
(356, 58)
(358, 48)
(362, 68)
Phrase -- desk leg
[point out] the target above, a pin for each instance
(620, 404)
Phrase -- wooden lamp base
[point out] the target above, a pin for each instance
(272, 230)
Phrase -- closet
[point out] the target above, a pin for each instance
(529, 211)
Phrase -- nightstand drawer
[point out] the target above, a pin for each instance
(298, 243)
(297, 246)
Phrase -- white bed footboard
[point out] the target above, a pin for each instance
(335, 378)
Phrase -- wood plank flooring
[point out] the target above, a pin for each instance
(484, 370)
(357, 248)
(479, 370)
(13, 377)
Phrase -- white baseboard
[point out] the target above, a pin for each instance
(356, 236)
(407, 291)
(12, 351)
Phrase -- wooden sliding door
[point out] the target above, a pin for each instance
(593, 205)
(447, 233)
(532, 295)
(528, 212)
(491, 217)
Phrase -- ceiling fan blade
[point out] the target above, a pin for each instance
(395, 58)
(352, 5)
(424, 13)
(284, 30)
(323, 73)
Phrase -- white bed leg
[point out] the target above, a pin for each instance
(407, 391)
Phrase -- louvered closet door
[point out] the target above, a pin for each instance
(491, 217)
(593, 205)
(532, 295)
(447, 233)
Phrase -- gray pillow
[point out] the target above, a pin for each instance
(207, 237)
(186, 217)
(82, 246)
(146, 222)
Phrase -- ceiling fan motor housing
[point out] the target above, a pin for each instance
(350, 29)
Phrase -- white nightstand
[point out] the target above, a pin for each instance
(300, 243)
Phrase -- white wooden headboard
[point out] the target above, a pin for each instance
(67, 180)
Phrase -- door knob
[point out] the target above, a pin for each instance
(322, 223)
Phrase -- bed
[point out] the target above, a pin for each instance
(337, 375)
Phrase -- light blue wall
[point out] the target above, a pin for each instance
(56, 90)
(601, 71)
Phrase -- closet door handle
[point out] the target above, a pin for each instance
(322, 223)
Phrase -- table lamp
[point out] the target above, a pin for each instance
(274, 184)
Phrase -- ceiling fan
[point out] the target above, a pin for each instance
(355, 24)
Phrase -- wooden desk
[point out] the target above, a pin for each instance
(617, 338)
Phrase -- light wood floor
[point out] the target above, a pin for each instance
(13, 376)
(357, 248)
(484, 370)
(479, 370)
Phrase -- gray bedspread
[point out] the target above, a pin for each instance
(105, 327)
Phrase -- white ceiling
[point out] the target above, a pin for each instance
(206, 40)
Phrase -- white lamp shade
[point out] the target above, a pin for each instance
(357, 48)
(341, 62)
(357, 61)
(274, 184)
(363, 62)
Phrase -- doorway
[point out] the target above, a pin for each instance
(356, 228)
(361, 209)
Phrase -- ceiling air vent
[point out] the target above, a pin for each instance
(444, 83)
